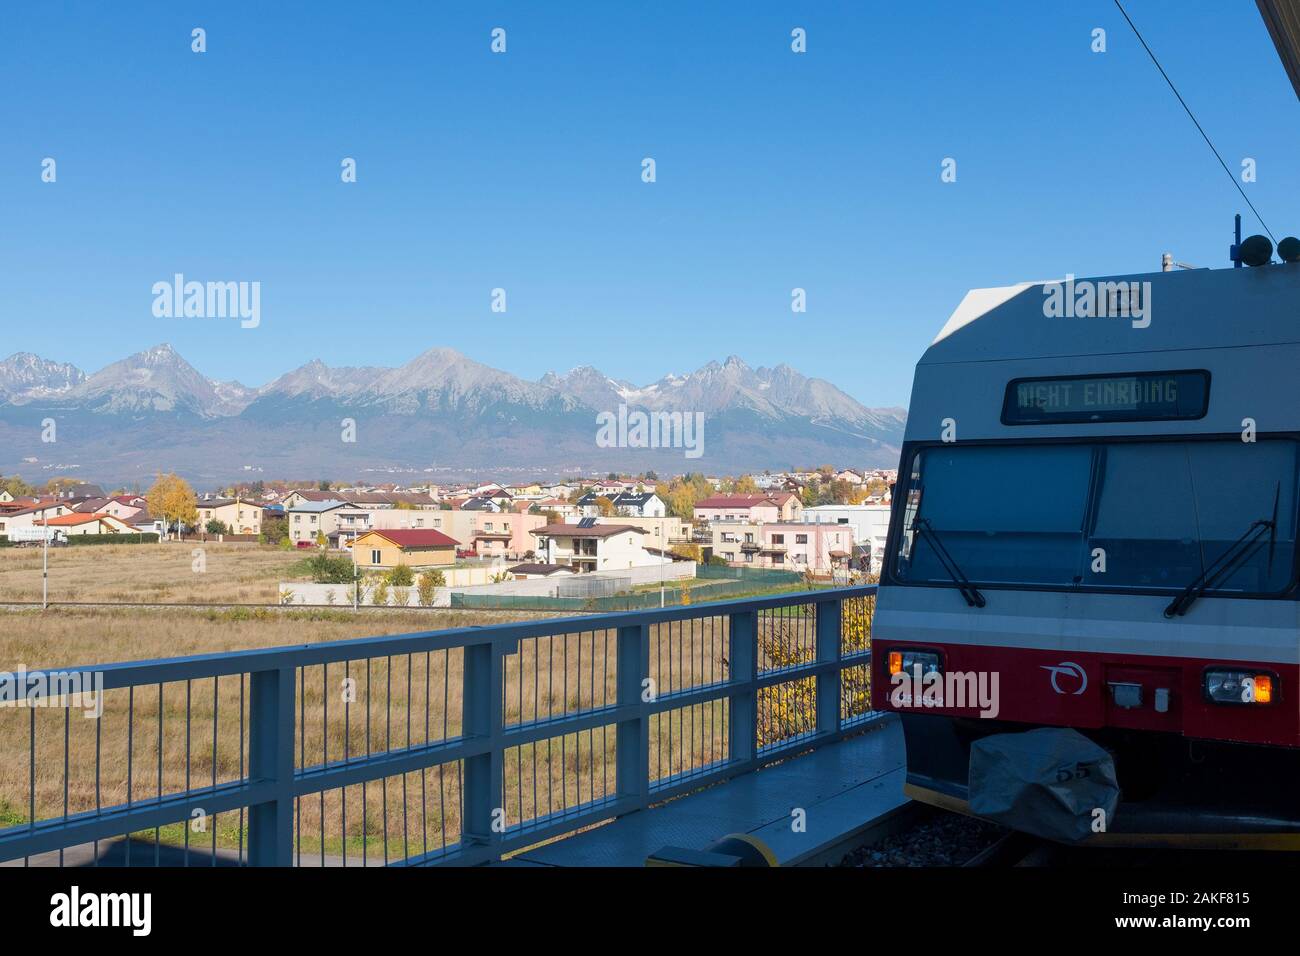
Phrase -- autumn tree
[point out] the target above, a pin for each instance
(172, 499)
(680, 494)
(60, 484)
(16, 486)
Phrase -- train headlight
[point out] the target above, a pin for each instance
(908, 661)
(1235, 686)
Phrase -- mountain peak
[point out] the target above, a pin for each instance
(158, 354)
(25, 376)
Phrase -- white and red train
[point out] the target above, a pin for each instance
(1096, 515)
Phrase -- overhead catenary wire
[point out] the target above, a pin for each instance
(1192, 116)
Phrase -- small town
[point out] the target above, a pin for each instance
(467, 437)
(590, 539)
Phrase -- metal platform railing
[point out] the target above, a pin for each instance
(453, 746)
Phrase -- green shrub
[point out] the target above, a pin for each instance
(430, 581)
(327, 570)
(401, 576)
(149, 538)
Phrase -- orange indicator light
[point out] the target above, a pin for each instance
(1263, 689)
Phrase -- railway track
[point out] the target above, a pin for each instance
(935, 837)
(1025, 850)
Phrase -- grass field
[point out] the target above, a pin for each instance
(171, 572)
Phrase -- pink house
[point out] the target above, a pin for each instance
(776, 506)
(800, 546)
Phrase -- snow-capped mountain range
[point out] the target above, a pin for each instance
(154, 410)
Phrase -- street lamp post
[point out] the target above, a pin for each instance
(663, 557)
(356, 579)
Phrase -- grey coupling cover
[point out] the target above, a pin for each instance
(1049, 782)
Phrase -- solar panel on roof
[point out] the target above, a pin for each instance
(587, 523)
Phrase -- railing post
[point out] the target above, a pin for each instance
(632, 744)
(481, 719)
(270, 759)
(828, 649)
(743, 652)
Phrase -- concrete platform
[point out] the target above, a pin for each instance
(845, 789)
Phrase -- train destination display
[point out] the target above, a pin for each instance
(1131, 397)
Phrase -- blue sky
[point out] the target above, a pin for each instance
(522, 171)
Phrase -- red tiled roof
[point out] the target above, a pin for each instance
(417, 538)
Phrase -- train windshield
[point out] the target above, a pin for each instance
(1127, 515)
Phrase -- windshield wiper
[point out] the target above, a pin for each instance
(968, 590)
(1230, 560)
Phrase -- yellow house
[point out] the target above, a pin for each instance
(414, 547)
(237, 514)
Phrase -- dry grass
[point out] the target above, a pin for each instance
(233, 573)
(406, 700)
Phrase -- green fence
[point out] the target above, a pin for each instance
(719, 583)
(760, 576)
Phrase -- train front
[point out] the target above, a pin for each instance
(1088, 617)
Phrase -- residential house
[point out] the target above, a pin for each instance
(562, 508)
(736, 542)
(32, 515)
(370, 500)
(775, 506)
(414, 547)
(594, 547)
(803, 546)
(482, 503)
(82, 490)
(645, 504)
(144, 523)
(870, 524)
(126, 507)
(77, 523)
(527, 490)
(504, 534)
(239, 515)
(659, 532)
(310, 518)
